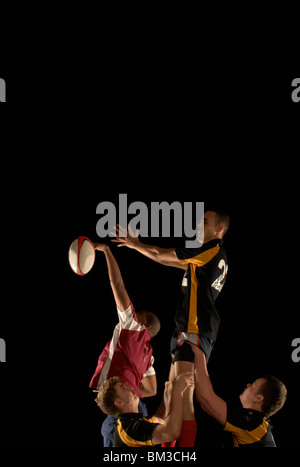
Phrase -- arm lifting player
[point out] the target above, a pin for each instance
(134, 430)
(249, 422)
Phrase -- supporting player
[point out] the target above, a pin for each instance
(197, 319)
(248, 423)
(128, 355)
(134, 430)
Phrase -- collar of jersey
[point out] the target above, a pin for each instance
(134, 416)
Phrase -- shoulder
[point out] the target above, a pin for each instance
(244, 418)
(135, 431)
(128, 318)
(202, 255)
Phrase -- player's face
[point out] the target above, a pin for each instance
(125, 393)
(208, 223)
(251, 393)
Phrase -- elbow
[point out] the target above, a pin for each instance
(172, 435)
(176, 434)
(205, 404)
(203, 401)
(148, 391)
(151, 393)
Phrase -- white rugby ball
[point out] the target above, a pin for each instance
(82, 255)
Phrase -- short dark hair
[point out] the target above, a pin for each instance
(222, 217)
(154, 322)
(274, 393)
(106, 397)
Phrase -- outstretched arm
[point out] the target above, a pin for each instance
(164, 256)
(116, 281)
(210, 402)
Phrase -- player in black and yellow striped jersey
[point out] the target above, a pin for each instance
(249, 421)
(133, 430)
(203, 281)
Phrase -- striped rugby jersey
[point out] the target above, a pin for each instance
(134, 430)
(128, 355)
(249, 428)
(202, 284)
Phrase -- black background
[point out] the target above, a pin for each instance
(162, 127)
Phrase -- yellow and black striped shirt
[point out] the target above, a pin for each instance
(134, 430)
(202, 284)
(249, 428)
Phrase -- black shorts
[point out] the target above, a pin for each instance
(181, 351)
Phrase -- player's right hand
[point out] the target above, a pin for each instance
(183, 381)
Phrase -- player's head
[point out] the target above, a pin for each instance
(274, 393)
(151, 321)
(114, 397)
(267, 395)
(215, 224)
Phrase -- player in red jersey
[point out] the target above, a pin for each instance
(129, 353)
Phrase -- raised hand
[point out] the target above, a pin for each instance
(183, 381)
(125, 237)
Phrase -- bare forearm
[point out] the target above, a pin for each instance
(171, 428)
(116, 281)
(164, 256)
(114, 272)
(210, 402)
(203, 385)
(160, 255)
(175, 417)
(148, 386)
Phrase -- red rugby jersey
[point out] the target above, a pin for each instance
(128, 355)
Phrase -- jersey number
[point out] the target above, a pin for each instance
(218, 284)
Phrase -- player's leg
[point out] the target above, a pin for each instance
(172, 373)
(183, 362)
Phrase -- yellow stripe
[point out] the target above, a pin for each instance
(195, 262)
(132, 443)
(193, 316)
(241, 436)
(203, 258)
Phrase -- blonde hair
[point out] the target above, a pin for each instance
(107, 395)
